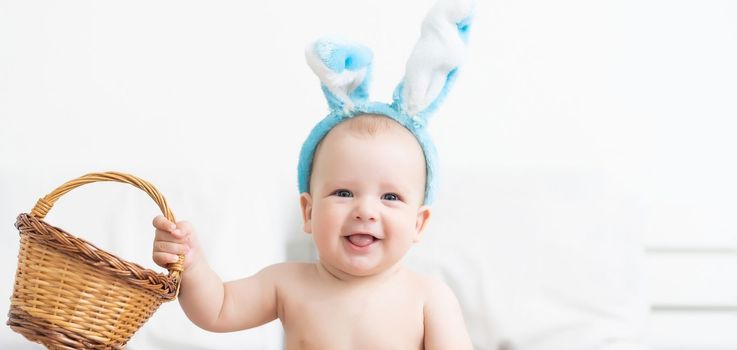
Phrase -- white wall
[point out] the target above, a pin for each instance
(213, 98)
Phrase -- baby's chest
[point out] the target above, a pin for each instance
(354, 323)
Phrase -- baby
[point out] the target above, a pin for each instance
(366, 177)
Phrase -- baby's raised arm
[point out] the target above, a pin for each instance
(207, 301)
(444, 325)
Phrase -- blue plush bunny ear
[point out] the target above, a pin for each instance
(433, 65)
(344, 69)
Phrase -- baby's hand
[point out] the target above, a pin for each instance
(172, 240)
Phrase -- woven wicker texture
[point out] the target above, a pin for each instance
(69, 294)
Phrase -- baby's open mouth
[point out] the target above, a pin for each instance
(361, 239)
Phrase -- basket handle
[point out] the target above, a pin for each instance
(44, 204)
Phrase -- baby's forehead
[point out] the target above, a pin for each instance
(392, 139)
(378, 138)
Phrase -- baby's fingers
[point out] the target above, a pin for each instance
(170, 247)
(163, 259)
(165, 252)
(176, 236)
(167, 231)
(162, 223)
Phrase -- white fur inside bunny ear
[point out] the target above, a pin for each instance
(344, 69)
(433, 64)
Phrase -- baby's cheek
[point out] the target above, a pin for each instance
(330, 216)
(404, 224)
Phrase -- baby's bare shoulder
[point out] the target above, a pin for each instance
(289, 270)
(291, 276)
(430, 287)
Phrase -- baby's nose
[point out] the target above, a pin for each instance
(366, 217)
(365, 211)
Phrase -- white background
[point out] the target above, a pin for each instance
(211, 101)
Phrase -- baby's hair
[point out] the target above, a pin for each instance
(364, 125)
(370, 124)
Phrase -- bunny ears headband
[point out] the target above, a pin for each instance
(344, 69)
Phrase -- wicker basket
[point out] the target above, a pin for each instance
(70, 294)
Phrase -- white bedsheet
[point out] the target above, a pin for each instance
(541, 259)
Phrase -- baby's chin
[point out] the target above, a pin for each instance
(357, 269)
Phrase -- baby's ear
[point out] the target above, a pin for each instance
(305, 203)
(433, 64)
(344, 69)
(423, 216)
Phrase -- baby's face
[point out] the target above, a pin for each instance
(365, 206)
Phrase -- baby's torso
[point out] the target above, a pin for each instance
(319, 315)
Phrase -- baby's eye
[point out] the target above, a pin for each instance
(390, 197)
(343, 193)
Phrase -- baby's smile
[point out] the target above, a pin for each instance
(361, 241)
